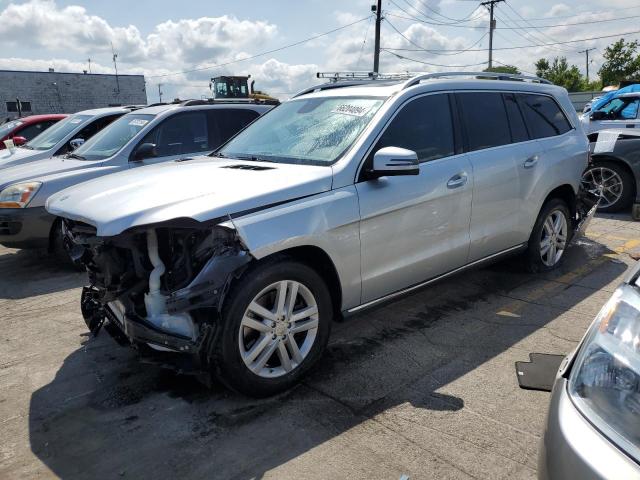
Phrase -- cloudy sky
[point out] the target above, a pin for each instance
(163, 38)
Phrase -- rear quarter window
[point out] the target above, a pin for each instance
(543, 116)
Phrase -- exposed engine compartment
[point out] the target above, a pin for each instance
(161, 285)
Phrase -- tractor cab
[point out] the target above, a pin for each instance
(237, 87)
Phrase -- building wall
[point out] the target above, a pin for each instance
(54, 92)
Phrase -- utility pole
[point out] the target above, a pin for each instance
(376, 53)
(492, 25)
(89, 60)
(586, 52)
(160, 92)
(115, 66)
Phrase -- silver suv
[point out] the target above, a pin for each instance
(147, 136)
(344, 197)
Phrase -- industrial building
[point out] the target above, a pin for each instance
(30, 93)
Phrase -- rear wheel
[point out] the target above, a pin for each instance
(276, 324)
(615, 184)
(550, 237)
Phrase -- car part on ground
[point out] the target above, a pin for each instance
(339, 196)
(593, 426)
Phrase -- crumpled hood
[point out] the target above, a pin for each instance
(201, 189)
(19, 155)
(38, 170)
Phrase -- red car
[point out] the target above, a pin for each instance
(21, 130)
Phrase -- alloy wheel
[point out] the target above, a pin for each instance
(553, 241)
(278, 329)
(605, 182)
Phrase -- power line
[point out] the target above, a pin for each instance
(505, 28)
(300, 42)
(432, 64)
(529, 23)
(440, 22)
(621, 34)
(366, 35)
(582, 13)
(458, 20)
(435, 52)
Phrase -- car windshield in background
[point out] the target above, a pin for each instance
(7, 127)
(109, 141)
(315, 131)
(51, 136)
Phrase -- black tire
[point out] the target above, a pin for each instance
(628, 185)
(226, 355)
(58, 249)
(532, 256)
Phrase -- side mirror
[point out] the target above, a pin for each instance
(598, 115)
(395, 161)
(146, 150)
(17, 140)
(76, 142)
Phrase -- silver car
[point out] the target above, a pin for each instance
(593, 423)
(339, 199)
(147, 136)
(63, 137)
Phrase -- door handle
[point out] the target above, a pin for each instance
(457, 180)
(531, 161)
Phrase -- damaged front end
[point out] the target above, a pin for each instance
(161, 287)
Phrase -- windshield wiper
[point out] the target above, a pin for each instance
(25, 146)
(218, 155)
(253, 158)
(74, 155)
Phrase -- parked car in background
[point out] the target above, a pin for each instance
(615, 169)
(25, 129)
(593, 423)
(144, 137)
(619, 112)
(63, 137)
(347, 196)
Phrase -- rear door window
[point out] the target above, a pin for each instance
(424, 125)
(228, 122)
(181, 134)
(543, 116)
(516, 122)
(484, 117)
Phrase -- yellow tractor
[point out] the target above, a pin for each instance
(236, 87)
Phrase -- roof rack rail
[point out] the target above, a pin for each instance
(487, 75)
(348, 76)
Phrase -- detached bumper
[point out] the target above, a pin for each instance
(25, 227)
(572, 448)
(586, 206)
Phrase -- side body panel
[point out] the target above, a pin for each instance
(414, 227)
(329, 221)
(497, 198)
(627, 152)
(561, 161)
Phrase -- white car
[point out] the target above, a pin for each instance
(619, 112)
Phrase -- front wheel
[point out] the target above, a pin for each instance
(550, 237)
(276, 324)
(614, 184)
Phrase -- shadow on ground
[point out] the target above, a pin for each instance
(26, 273)
(105, 415)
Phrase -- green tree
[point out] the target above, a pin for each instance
(503, 69)
(621, 62)
(560, 73)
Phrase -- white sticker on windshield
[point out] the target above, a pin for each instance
(606, 142)
(75, 120)
(138, 122)
(355, 110)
